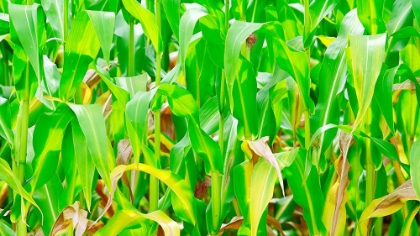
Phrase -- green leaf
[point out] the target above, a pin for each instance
(54, 10)
(370, 14)
(245, 101)
(90, 31)
(187, 24)
(48, 137)
(307, 194)
(103, 23)
(132, 84)
(214, 33)
(7, 176)
(416, 10)
(119, 93)
(29, 23)
(383, 96)
(5, 121)
(125, 218)
(173, 11)
(318, 10)
(52, 78)
(237, 34)
(121, 220)
(183, 104)
(136, 114)
(333, 71)
(147, 21)
(47, 198)
(83, 162)
(367, 53)
(92, 124)
(400, 15)
(414, 166)
(291, 61)
(386, 148)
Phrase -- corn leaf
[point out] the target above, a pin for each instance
(366, 53)
(262, 185)
(92, 125)
(47, 198)
(29, 25)
(370, 14)
(5, 121)
(147, 21)
(53, 10)
(7, 176)
(334, 69)
(174, 182)
(48, 137)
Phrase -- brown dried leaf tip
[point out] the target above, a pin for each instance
(251, 40)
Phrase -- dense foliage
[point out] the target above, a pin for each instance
(181, 117)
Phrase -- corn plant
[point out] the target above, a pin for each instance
(209, 117)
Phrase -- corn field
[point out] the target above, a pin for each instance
(209, 117)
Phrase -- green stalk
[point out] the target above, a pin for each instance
(130, 71)
(216, 200)
(215, 176)
(308, 53)
(21, 140)
(370, 167)
(307, 18)
(307, 130)
(66, 20)
(154, 182)
(21, 227)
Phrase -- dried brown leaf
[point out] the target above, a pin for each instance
(237, 221)
(71, 215)
(343, 167)
(91, 78)
(124, 152)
